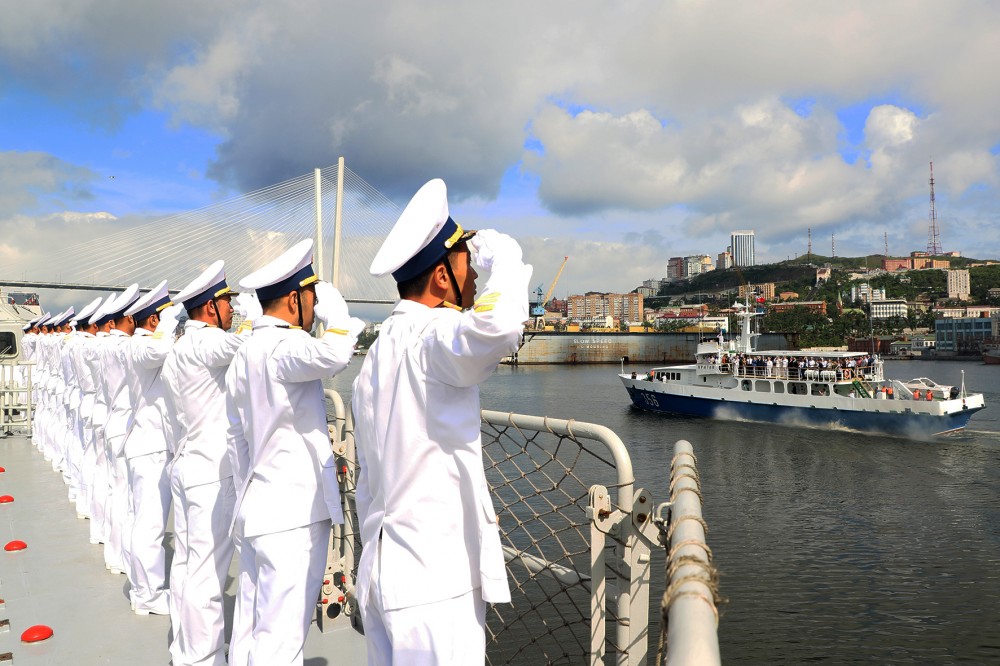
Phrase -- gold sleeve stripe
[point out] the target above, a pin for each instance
(450, 305)
(484, 308)
(337, 331)
(158, 335)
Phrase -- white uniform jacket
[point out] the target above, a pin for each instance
(194, 379)
(283, 462)
(92, 357)
(144, 359)
(84, 376)
(113, 373)
(417, 417)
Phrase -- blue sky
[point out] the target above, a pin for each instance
(620, 138)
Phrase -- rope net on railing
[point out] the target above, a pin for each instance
(540, 482)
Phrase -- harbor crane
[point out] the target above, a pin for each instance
(538, 309)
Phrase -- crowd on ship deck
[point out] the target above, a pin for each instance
(144, 414)
(795, 367)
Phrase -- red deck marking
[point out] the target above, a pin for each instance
(39, 632)
(4, 499)
(15, 545)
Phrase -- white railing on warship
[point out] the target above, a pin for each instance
(15, 397)
(579, 552)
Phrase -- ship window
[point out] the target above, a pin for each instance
(746, 385)
(762, 386)
(8, 344)
(797, 388)
(821, 389)
(779, 387)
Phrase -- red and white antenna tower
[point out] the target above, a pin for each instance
(933, 234)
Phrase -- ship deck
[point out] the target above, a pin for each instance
(60, 581)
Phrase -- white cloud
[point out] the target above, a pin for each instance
(688, 124)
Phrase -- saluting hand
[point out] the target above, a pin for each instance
(248, 305)
(491, 248)
(169, 318)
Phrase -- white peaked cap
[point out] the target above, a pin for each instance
(89, 309)
(289, 272)
(60, 318)
(150, 303)
(104, 310)
(422, 235)
(43, 319)
(211, 283)
(125, 300)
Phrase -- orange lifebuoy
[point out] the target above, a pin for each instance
(847, 373)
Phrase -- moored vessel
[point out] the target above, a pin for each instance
(731, 380)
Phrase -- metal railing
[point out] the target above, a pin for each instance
(16, 405)
(578, 539)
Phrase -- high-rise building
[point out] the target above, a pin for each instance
(958, 285)
(675, 268)
(742, 244)
(724, 261)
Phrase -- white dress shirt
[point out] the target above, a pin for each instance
(144, 358)
(278, 437)
(422, 486)
(194, 379)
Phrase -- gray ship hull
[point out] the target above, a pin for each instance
(544, 347)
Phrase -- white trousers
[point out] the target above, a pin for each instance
(116, 514)
(280, 578)
(99, 489)
(88, 462)
(448, 632)
(150, 493)
(202, 556)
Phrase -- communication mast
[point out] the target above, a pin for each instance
(885, 241)
(933, 234)
(809, 248)
(833, 246)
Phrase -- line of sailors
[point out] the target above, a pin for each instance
(230, 430)
(135, 419)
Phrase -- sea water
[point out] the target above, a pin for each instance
(831, 545)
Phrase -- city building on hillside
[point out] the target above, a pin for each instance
(692, 266)
(866, 294)
(962, 335)
(895, 265)
(993, 292)
(823, 274)
(888, 308)
(764, 290)
(958, 285)
(724, 261)
(742, 247)
(813, 306)
(788, 295)
(675, 268)
(965, 312)
(622, 307)
(647, 291)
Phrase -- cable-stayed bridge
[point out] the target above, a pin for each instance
(346, 216)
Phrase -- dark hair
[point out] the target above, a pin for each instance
(417, 284)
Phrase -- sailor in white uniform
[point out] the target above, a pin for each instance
(146, 449)
(71, 372)
(85, 383)
(283, 461)
(423, 501)
(116, 557)
(201, 477)
(103, 321)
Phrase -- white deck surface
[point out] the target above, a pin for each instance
(60, 581)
